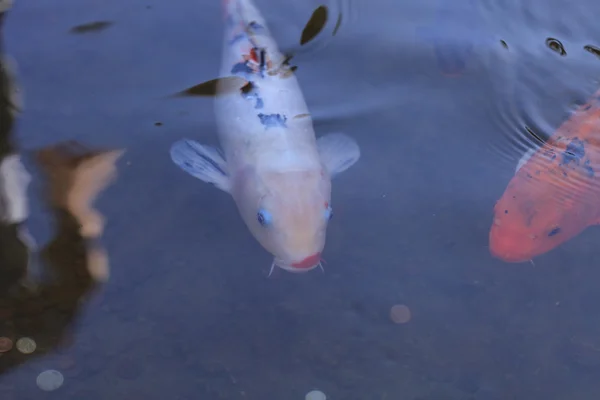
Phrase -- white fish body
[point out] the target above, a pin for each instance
(277, 171)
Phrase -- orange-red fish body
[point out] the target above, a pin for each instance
(555, 195)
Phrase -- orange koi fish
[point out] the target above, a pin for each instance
(555, 193)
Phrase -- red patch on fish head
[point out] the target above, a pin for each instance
(253, 55)
(309, 262)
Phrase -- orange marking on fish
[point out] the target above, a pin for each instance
(555, 195)
(253, 55)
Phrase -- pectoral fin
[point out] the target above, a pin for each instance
(338, 152)
(203, 162)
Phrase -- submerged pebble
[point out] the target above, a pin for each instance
(5, 344)
(400, 314)
(50, 380)
(26, 345)
(315, 395)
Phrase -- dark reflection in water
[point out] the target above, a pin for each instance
(556, 46)
(36, 317)
(456, 32)
(74, 261)
(95, 26)
(592, 49)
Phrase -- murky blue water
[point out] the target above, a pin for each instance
(188, 311)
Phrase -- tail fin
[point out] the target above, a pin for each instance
(242, 11)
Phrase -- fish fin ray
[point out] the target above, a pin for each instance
(338, 152)
(201, 161)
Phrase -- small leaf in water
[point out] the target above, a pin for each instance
(338, 24)
(504, 44)
(91, 27)
(556, 46)
(592, 49)
(537, 137)
(287, 58)
(209, 88)
(315, 25)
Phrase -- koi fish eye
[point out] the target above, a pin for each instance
(264, 217)
(328, 213)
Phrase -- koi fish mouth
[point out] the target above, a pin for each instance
(290, 268)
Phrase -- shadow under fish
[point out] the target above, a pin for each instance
(455, 33)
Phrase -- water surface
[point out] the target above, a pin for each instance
(188, 311)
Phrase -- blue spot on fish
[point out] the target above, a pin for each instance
(237, 38)
(255, 26)
(589, 169)
(554, 231)
(249, 92)
(273, 120)
(242, 68)
(574, 153)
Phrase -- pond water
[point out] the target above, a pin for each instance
(443, 100)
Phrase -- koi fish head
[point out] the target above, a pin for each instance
(524, 229)
(545, 204)
(288, 213)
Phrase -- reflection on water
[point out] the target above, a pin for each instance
(454, 43)
(477, 122)
(77, 175)
(74, 260)
(95, 26)
(36, 317)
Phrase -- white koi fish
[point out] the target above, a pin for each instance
(278, 173)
